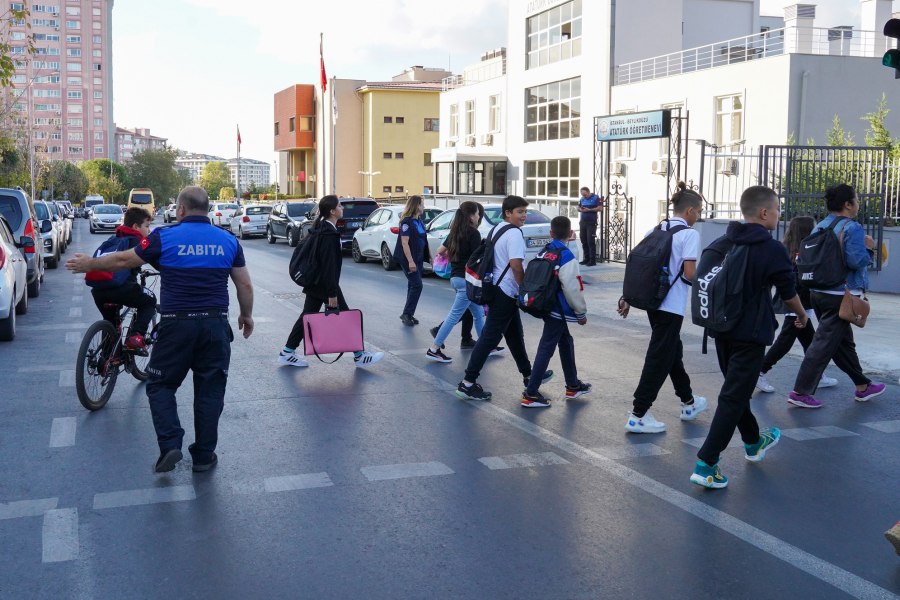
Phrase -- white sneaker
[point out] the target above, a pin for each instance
(763, 385)
(689, 412)
(827, 382)
(291, 359)
(645, 424)
(367, 359)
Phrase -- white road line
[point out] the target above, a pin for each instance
(305, 481)
(27, 508)
(67, 378)
(77, 298)
(73, 337)
(802, 434)
(884, 426)
(41, 368)
(62, 432)
(60, 535)
(175, 493)
(402, 471)
(698, 442)
(517, 461)
(630, 451)
(816, 567)
(75, 311)
(55, 326)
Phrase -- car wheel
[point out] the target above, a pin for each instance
(291, 238)
(53, 262)
(63, 248)
(269, 235)
(92, 230)
(8, 325)
(241, 233)
(387, 261)
(34, 288)
(22, 306)
(357, 253)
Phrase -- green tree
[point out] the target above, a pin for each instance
(156, 169)
(838, 136)
(13, 164)
(7, 58)
(877, 134)
(59, 177)
(107, 178)
(214, 177)
(226, 193)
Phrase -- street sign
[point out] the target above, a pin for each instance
(44, 194)
(634, 126)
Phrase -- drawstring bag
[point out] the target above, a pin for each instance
(441, 266)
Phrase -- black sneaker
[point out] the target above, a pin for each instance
(536, 401)
(438, 356)
(467, 344)
(583, 262)
(204, 467)
(548, 375)
(434, 331)
(408, 320)
(579, 390)
(167, 460)
(473, 392)
(497, 351)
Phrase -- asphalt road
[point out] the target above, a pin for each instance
(335, 482)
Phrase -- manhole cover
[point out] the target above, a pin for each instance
(289, 296)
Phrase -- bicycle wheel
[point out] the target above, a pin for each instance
(95, 377)
(137, 364)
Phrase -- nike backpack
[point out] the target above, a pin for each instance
(538, 290)
(647, 277)
(480, 285)
(820, 263)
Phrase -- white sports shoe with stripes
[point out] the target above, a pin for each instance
(366, 359)
(291, 359)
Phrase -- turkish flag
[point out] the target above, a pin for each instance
(322, 66)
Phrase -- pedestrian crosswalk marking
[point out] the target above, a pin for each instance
(176, 493)
(402, 471)
(27, 508)
(884, 426)
(62, 432)
(698, 442)
(67, 378)
(75, 311)
(305, 481)
(630, 451)
(803, 434)
(517, 461)
(59, 535)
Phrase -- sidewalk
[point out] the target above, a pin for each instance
(878, 344)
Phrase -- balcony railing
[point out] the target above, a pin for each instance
(820, 41)
(490, 69)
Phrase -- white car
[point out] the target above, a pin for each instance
(378, 235)
(169, 213)
(106, 217)
(220, 213)
(250, 219)
(13, 282)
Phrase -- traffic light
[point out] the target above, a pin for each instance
(892, 57)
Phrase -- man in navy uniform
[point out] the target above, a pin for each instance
(195, 260)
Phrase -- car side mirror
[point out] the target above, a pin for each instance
(46, 226)
(26, 241)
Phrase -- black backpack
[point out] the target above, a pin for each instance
(717, 298)
(647, 277)
(304, 266)
(538, 290)
(820, 263)
(104, 280)
(480, 285)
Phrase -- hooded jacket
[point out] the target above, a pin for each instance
(768, 265)
(328, 255)
(136, 237)
(571, 305)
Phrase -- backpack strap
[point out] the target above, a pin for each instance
(494, 241)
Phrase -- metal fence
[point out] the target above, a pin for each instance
(892, 197)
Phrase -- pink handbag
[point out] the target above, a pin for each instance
(333, 332)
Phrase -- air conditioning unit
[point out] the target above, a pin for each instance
(727, 166)
(660, 166)
(470, 140)
(618, 169)
(487, 139)
(450, 144)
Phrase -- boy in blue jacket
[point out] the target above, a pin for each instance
(570, 307)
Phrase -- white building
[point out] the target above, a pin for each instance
(131, 141)
(194, 163)
(252, 171)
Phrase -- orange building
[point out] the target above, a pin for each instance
(295, 139)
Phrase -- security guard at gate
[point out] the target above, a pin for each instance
(195, 260)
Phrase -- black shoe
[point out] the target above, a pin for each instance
(536, 401)
(434, 331)
(408, 320)
(167, 460)
(593, 263)
(204, 467)
(547, 377)
(583, 262)
(438, 356)
(467, 343)
(473, 392)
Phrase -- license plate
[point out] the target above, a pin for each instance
(353, 225)
(538, 242)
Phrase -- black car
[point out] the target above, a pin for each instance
(356, 211)
(286, 220)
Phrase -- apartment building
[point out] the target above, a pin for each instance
(129, 142)
(194, 163)
(294, 135)
(257, 172)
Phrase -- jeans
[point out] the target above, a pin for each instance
(785, 340)
(413, 287)
(311, 305)
(503, 321)
(740, 363)
(556, 335)
(588, 235)
(202, 345)
(130, 294)
(664, 358)
(461, 304)
(833, 341)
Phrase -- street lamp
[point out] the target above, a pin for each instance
(30, 91)
(276, 181)
(370, 175)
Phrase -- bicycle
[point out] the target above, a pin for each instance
(103, 355)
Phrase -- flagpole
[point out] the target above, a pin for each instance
(238, 163)
(321, 155)
(333, 149)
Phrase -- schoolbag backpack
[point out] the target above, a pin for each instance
(647, 276)
(110, 279)
(820, 263)
(538, 290)
(303, 266)
(480, 285)
(717, 296)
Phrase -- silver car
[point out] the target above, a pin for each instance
(13, 282)
(51, 233)
(63, 224)
(19, 211)
(250, 219)
(106, 217)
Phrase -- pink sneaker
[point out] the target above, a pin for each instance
(872, 390)
(803, 400)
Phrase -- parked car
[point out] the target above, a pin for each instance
(286, 220)
(67, 208)
(220, 213)
(51, 234)
(18, 209)
(63, 224)
(13, 282)
(251, 219)
(356, 211)
(378, 235)
(106, 217)
(169, 213)
(79, 212)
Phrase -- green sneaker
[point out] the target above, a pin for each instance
(708, 476)
(767, 438)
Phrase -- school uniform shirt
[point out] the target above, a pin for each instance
(414, 230)
(509, 246)
(571, 305)
(685, 246)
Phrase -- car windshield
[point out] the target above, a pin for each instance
(429, 215)
(227, 206)
(300, 209)
(54, 209)
(534, 217)
(41, 209)
(141, 198)
(12, 210)
(107, 209)
(360, 208)
(259, 210)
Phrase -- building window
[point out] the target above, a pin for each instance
(73, 52)
(98, 94)
(470, 117)
(98, 135)
(554, 35)
(73, 10)
(98, 122)
(387, 155)
(389, 119)
(73, 24)
(97, 53)
(96, 39)
(76, 136)
(494, 113)
(428, 162)
(399, 120)
(555, 178)
(432, 124)
(454, 120)
(74, 95)
(553, 111)
(730, 121)
(98, 150)
(73, 39)
(292, 124)
(76, 149)
(73, 66)
(398, 188)
(386, 189)
(306, 123)
(398, 155)
(74, 108)
(276, 127)
(481, 178)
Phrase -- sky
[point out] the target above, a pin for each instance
(193, 70)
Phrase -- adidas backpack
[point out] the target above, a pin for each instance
(647, 277)
(717, 296)
(538, 290)
(102, 280)
(820, 263)
(480, 285)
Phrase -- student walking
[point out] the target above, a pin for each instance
(326, 290)
(834, 337)
(589, 207)
(740, 351)
(797, 230)
(570, 308)
(503, 319)
(410, 252)
(665, 352)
